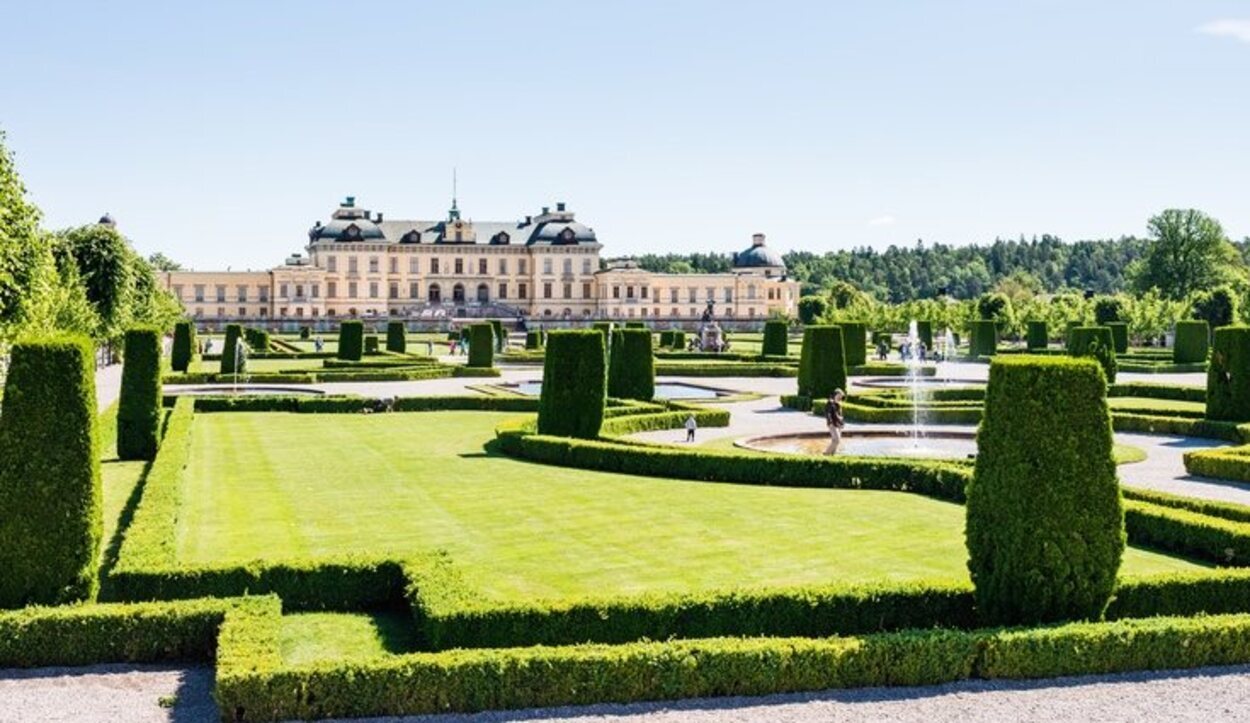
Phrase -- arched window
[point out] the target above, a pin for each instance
(483, 293)
(435, 294)
(457, 294)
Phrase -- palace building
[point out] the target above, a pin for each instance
(543, 268)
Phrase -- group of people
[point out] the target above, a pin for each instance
(906, 351)
(696, 344)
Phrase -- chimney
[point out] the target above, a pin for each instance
(349, 202)
(546, 210)
(528, 220)
(757, 239)
(379, 217)
(560, 206)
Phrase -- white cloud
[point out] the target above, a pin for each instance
(882, 221)
(1235, 28)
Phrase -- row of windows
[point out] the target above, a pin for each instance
(458, 296)
(240, 293)
(457, 266)
(674, 312)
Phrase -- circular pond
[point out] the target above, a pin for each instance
(876, 443)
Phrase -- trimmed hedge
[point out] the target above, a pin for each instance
(351, 340)
(1152, 390)
(1045, 527)
(1216, 539)
(1228, 378)
(679, 339)
(776, 338)
(230, 349)
(1095, 342)
(257, 339)
(1119, 336)
(982, 338)
(396, 337)
(481, 345)
(924, 331)
(822, 363)
(139, 410)
(1191, 342)
(371, 344)
(574, 384)
(1038, 336)
(631, 372)
(1230, 463)
(50, 490)
(724, 369)
(183, 347)
(855, 342)
(533, 340)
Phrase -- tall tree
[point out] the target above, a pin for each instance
(1189, 253)
(22, 247)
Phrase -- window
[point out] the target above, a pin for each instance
(199, 292)
(332, 264)
(503, 266)
(586, 266)
(177, 291)
(672, 296)
(242, 311)
(316, 312)
(457, 294)
(373, 289)
(199, 311)
(711, 293)
(414, 265)
(332, 289)
(316, 290)
(522, 290)
(263, 312)
(434, 266)
(481, 266)
(547, 290)
(729, 294)
(520, 266)
(241, 293)
(568, 266)
(351, 289)
(394, 264)
(373, 264)
(393, 291)
(692, 293)
(503, 290)
(435, 294)
(221, 292)
(546, 266)
(459, 266)
(221, 312)
(264, 294)
(629, 292)
(616, 291)
(351, 265)
(585, 291)
(414, 290)
(645, 289)
(568, 291)
(299, 291)
(282, 291)
(483, 293)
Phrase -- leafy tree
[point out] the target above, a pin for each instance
(1107, 308)
(1190, 253)
(22, 246)
(1217, 307)
(104, 262)
(160, 262)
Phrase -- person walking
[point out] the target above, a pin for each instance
(834, 420)
(691, 426)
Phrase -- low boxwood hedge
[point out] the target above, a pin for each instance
(1230, 463)
(724, 369)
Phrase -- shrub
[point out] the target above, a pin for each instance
(631, 372)
(1107, 309)
(679, 339)
(184, 346)
(257, 340)
(305, 332)
(500, 334)
(1217, 307)
(351, 340)
(533, 340)
(983, 338)
(1231, 463)
(1191, 342)
(724, 369)
(1119, 336)
(822, 363)
(1095, 342)
(230, 349)
(1216, 539)
(50, 494)
(139, 406)
(1045, 528)
(481, 345)
(1038, 336)
(396, 337)
(1228, 378)
(635, 325)
(855, 342)
(811, 309)
(371, 344)
(574, 384)
(776, 338)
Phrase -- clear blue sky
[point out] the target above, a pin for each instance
(217, 132)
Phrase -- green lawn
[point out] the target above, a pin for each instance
(343, 637)
(272, 486)
(1126, 404)
(117, 478)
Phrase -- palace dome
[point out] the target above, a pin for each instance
(758, 256)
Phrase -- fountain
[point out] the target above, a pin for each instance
(914, 386)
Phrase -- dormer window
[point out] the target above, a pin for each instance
(567, 236)
(412, 237)
(502, 238)
(351, 232)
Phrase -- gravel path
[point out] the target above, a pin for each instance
(111, 693)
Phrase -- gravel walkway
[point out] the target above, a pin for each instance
(111, 693)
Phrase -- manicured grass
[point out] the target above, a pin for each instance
(117, 478)
(1126, 404)
(345, 637)
(262, 365)
(272, 486)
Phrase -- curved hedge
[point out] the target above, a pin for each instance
(1095, 342)
(1228, 378)
(139, 406)
(351, 340)
(229, 350)
(982, 338)
(1191, 342)
(631, 371)
(574, 384)
(50, 493)
(1119, 336)
(1038, 335)
(776, 338)
(396, 337)
(1045, 529)
(822, 363)
(855, 342)
(183, 347)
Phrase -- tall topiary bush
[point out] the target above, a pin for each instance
(1191, 342)
(139, 406)
(481, 345)
(351, 340)
(1228, 376)
(371, 344)
(631, 370)
(1038, 335)
(983, 337)
(183, 348)
(533, 340)
(855, 342)
(776, 338)
(1045, 524)
(822, 362)
(924, 331)
(1096, 342)
(396, 337)
(259, 341)
(1119, 336)
(501, 335)
(679, 339)
(50, 497)
(229, 350)
(574, 384)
